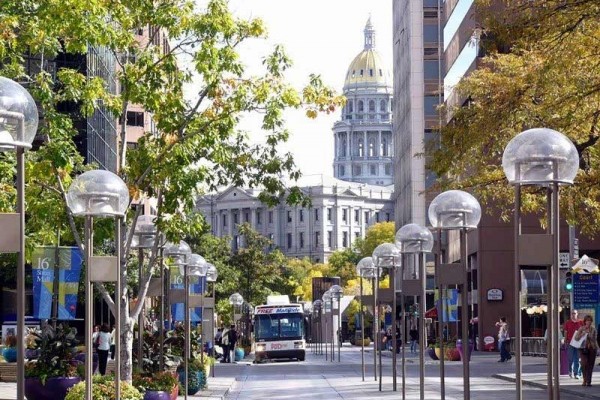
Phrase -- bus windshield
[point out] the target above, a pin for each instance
(279, 326)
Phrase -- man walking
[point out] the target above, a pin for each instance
(503, 339)
(232, 337)
(570, 327)
(225, 345)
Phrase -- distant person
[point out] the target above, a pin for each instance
(570, 327)
(104, 338)
(413, 333)
(232, 338)
(95, 337)
(587, 352)
(503, 339)
(219, 338)
(225, 346)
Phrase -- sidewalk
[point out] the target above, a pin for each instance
(217, 389)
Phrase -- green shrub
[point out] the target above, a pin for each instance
(103, 388)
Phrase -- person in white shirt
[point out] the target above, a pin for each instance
(104, 339)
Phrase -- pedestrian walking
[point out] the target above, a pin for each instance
(232, 337)
(570, 327)
(225, 346)
(414, 334)
(503, 339)
(104, 338)
(589, 348)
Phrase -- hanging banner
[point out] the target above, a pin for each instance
(197, 286)
(447, 307)
(70, 261)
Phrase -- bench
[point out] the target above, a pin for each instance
(8, 371)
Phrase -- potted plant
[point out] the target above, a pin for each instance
(103, 388)
(158, 386)
(10, 349)
(55, 370)
(196, 377)
(431, 350)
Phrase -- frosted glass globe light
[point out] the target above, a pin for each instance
(211, 273)
(366, 267)
(98, 193)
(336, 292)
(178, 252)
(236, 299)
(327, 296)
(454, 209)
(197, 265)
(144, 233)
(414, 238)
(540, 156)
(16, 103)
(317, 304)
(387, 255)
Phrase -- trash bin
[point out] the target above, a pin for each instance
(564, 361)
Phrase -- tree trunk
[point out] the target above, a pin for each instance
(126, 350)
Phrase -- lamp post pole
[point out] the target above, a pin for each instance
(186, 346)
(375, 327)
(89, 240)
(362, 331)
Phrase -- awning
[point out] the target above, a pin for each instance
(431, 313)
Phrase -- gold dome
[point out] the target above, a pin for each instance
(367, 68)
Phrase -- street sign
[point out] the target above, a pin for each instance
(586, 265)
(563, 260)
(585, 290)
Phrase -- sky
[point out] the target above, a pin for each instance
(321, 37)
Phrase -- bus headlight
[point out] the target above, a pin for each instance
(299, 345)
(261, 347)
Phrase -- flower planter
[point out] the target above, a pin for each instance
(432, 354)
(161, 395)
(195, 383)
(54, 389)
(9, 354)
(450, 353)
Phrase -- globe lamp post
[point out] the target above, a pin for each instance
(197, 267)
(365, 269)
(415, 240)
(18, 126)
(317, 308)
(337, 293)
(327, 308)
(211, 276)
(547, 159)
(100, 194)
(387, 255)
(454, 210)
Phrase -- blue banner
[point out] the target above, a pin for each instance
(448, 305)
(585, 290)
(70, 261)
(197, 285)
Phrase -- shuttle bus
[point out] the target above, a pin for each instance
(279, 332)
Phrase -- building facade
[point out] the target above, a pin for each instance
(363, 140)
(340, 213)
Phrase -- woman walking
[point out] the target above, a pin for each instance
(587, 352)
(104, 337)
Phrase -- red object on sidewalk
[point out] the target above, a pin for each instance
(489, 343)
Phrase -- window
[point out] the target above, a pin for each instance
(371, 147)
(356, 215)
(387, 217)
(289, 216)
(258, 220)
(344, 215)
(377, 216)
(344, 239)
(329, 214)
(383, 106)
(361, 148)
(350, 106)
(431, 69)
(371, 105)
(246, 217)
(224, 220)
(342, 170)
(343, 148)
(301, 240)
(362, 72)
(135, 118)
(371, 72)
(356, 170)
(235, 218)
(356, 235)
(388, 169)
(373, 170)
(301, 215)
(317, 238)
(289, 240)
(430, 104)
(316, 214)
(270, 217)
(366, 217)
(384, 147)
(430, 33)
(361, 106)
(329, 239)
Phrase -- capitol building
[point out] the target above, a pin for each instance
(344, 206)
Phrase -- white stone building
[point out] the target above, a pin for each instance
(340, 212)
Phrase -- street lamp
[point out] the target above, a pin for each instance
(365, 269)
(387, 255)
(455, 210)
(416, 240)
(317, 308)
(197, 267)
(18, 126)
(327, 308)
(100, 194)
(544, 158)
(144, 237)
(211, 276)
(337, 293)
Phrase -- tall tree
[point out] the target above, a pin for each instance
(382, 232)
(535, 75)
(196, 145)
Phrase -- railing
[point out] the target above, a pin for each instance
(533, 346)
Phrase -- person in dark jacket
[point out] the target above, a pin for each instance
(232, 337)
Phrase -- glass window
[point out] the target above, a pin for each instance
(388, 169)
(356, 215)
(345, 215)
(246, 217)
(329, 239)
(361, 106)
(301, 215)
(344, 239)
(289, 240)
(372, 106)
(329, 214)
(235, 218)
(316, 214)
(431, 69)
(258, 220)
(224, 220)
(430, 104)
(289, 216)
(342, 170)
(371, 72)
(366, 217)
(373, 170)
(361, 149)
(430, 33)
(317, 237)
(278, 326)
(356, 170)
(301, 240)
(383, 106)
(270, 217)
